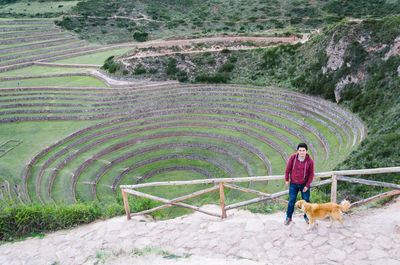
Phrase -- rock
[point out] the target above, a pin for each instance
(357, 262)
(274, 253)
(297, 232)
(268, 245)
(377, 254)
(322, 230)
(337, 255)
(335, 236)
(349, 241)
(362, 244)
(305, 253)
(244, 253)
(336, 243)
(319, 241)
(310, 237)
(254, 225)
(215, 226)
(357, 255)
(276, 235)
(395, 253)
(349, 249)
(289, 252)
(294, 243)
(358, 235)
(384, 242)
(387, 261)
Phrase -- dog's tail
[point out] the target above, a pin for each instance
(345, 205)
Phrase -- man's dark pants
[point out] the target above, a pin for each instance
(293, 191)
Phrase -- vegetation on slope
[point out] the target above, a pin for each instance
(124, 20)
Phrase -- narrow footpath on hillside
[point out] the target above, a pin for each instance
(369, 236)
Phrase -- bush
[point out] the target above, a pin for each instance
(139, 70)
(215, 78)
(270, 58)
(140, 36)
(182, 76)
(171, 67)
(21, 220)
(108, 63)
(226, 67)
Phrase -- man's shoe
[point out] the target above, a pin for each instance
(288, 221)
(306, 219)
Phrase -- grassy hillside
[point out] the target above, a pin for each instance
(125, 20)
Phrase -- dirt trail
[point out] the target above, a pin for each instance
(370, 236)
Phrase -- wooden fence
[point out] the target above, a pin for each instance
(221, 183)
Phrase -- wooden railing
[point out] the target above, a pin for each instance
(220, 183)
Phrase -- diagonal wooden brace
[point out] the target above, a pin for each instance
(141, 194)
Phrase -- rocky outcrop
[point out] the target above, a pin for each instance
(335, 52)
(394, 50)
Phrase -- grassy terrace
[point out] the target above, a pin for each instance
(163, 125)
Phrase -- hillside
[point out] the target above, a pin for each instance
(103, 21)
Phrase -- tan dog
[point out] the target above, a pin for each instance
(319, 211)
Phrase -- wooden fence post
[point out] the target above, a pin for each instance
(222, 198)
(334, 188)
(126, 204)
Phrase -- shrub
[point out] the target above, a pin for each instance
(270, 58)
(182, 76)
(226, 67)
(215, 78)
(21, 220)
(233, 59)
(139, 69)
(107, 63)
(171, 67)
(140, 36)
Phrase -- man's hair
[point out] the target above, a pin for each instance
(302, 145)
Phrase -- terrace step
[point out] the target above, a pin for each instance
(29, 33)
(12, 29)
(35, 38)
(26, 22)
(46, 50)
(39, 45)
(75, 53)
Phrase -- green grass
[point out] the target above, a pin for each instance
(96, 58)
(35, 136)
(39, 49)
(70, 81)
(16, 45)
(40, 70)
(35, 7)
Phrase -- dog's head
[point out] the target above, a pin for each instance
(301, 205)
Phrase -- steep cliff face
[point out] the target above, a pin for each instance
(351, 54)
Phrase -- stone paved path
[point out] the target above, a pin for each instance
(369, 236)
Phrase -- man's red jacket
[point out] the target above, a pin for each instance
(300, 172)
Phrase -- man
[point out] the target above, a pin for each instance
(300, 171)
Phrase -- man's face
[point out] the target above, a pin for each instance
(302, 152)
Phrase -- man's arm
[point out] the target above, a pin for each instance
(310, 176)
(288, 170)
